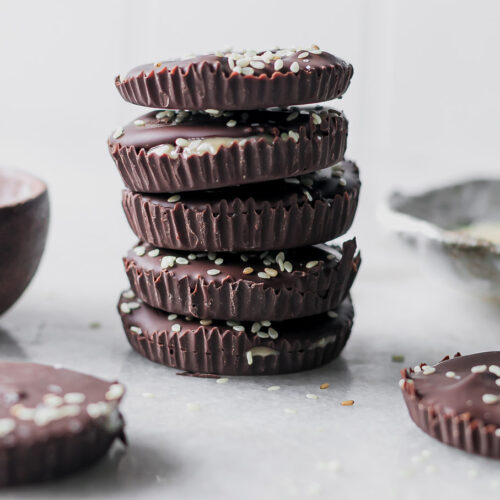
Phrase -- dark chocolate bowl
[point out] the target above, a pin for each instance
(24, 221)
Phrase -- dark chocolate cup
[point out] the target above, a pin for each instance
(255, 161)
(191, 291)
(458, 430)
(271, 220)
(55, 457)
(219, 349)
(203, 87)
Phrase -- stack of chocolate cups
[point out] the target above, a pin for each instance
(233, 186)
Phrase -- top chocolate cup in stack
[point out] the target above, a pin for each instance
(176, 151)
(238, 80)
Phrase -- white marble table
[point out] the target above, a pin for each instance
(195, 438)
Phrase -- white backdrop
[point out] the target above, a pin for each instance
(424, 107)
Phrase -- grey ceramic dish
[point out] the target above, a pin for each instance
(430, 222)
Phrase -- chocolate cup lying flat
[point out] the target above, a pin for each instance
(267, 216)
(457, 401)
(262, 149)
(210, 81)
(301, 282)
(24, 222)
(54, 421)
(235, 348)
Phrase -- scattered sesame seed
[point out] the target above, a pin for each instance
(118, 133)
(248, 270)
(294, 135)
(402, 382)
(292, 116)
(161, 114)
(274, 388)
(154, 253)
(311, 396)
(244, 257)
(308, 195)
(278, 64)
(332, 314)
(172, 316)
(205, 322)
(231, 123)
(397, 358)
(129, 294)
(257, 64)
(181, 260)
(342, 182)
(211, 256)
(316, 119)
(239, 328)
(115, 391)
(255, 327)
(139, 123)
(249, 357)
(219, 261)
(284, 137)
(167, 261)
(479, 369)
(140, 251)
(450, 374)
(192, 256)
(324, 386)
(311, 264)
(294, 67)
(272, 333)
(303, 55)
(490, 399)
(181, 142)
(264, 276)
(495, 369)
(265, 323)
(288, 266)
(213, 272)
(176, 327)
(263, 335)
(222, 380)
(428, 370)
(136, 330)
(348, 402)
(174, 198)
(271, 272)
(124, 308)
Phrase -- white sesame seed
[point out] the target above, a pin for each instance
(129, 294)
(242, 63)
(136, 329)
(342, 182)
(479, 369)
(7, 425)
(219, 261)
(174, 198)
(450, 374)
(271, 272)
(402, 382)
(211, 256)
(249, 357)
(308, 195)
(115, 391)
(294, 67)
(311, 264)
(274, 388)
(134, 305)
(332, 314)
(303, 55)
(222, 380)
(124, 308)
(272, 333)
(278, 64)
(292, 116)
(490, 399)
(265, 323)
(172, 316)
(192, 256)
(239, 328)
(284, 136)
(288, 266)
(316, 119)
(263, 335)
(257, 64)
(154, 253)
(118, 133)
(428, 370)
(495, 369)
(247, 71)
(140, 251)
(231, 123)
(205, 322)
(497, 432)
(139, 123)
(181, 142)
(176, 327)
(244, 257)
(417, 369)
(181, 260)
(213, 272)
(167, 261)
(294, 135)
(311, 396)
(255, 327)
(264, 276)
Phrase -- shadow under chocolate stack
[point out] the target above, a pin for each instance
(232, 200)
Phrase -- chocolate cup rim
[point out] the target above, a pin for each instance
(38, 187)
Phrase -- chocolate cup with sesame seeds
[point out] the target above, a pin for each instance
(54, 421)
(168, 151)
(272, 285)
(242, 81)
(457, 401)
(274, 215)
(234, 348)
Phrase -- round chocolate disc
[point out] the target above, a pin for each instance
(54, 421)
(274, 215)
(272, 285)
(238, 80)
(234, 347)
(176, 151)
(457, 401)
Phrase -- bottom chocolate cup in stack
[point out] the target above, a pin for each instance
(234, 348)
